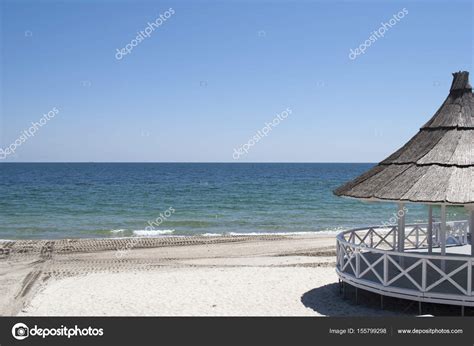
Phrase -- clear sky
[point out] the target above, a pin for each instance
(211, 75)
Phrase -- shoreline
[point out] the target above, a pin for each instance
(324, 233)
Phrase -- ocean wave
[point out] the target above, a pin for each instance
(146, 233)
(171, 232)
(118, 230)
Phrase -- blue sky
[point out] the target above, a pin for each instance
(212, 74)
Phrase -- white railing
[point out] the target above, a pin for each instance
(368, 258)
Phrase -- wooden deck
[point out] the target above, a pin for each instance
(464, 250)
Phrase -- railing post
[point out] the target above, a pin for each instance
(469, 277)
(417, 237)
(357, 263)
(423, 275)
(341, 252)
(385, 269)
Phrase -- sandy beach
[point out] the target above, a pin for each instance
(175, 276)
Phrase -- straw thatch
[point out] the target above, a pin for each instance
(435, 166)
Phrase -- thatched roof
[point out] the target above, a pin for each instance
(435, 166)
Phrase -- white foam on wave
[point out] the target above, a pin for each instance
(117, 231)
(146, 233)
(212, 234)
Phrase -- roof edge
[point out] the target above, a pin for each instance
(377, 199)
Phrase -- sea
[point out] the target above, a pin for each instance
(97, 200)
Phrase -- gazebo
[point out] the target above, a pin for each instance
(429, 262)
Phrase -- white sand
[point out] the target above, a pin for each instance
(184, 292)
(292, 276)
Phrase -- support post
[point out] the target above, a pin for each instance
(443, 230)
(401, 227)
(471, 229)
(443, 236)
(430, 229)
(395, 246)
(401, 232)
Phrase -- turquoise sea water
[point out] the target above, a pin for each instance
(78, 200)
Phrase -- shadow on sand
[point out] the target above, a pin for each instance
(328, 300)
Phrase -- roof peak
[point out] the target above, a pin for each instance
(435, 166)
(460, 82)
(457, 111)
